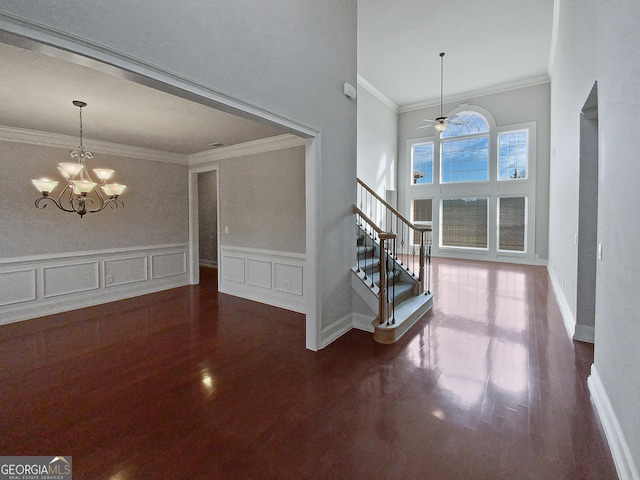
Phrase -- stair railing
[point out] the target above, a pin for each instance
(411, 237)
(386, 240)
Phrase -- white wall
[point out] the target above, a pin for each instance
(289, 59)
(599, 41)
(377, 142)
(512, 107)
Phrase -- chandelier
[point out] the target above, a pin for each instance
(79, 195)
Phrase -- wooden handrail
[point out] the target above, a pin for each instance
(393, 210)
(383, 312)
(371, 223)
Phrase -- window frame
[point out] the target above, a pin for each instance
(442, 246)
(498, 159)
(445, 140)
(526, 225)
(493, 189)
(410, 146)
(421, 223)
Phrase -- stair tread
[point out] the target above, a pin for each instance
(390, 276)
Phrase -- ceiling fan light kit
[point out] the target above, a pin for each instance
(441, 123)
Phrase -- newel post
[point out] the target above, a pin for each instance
(421, 276)
(383, 306)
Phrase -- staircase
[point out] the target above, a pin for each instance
(389, 250)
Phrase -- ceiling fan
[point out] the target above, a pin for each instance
(441, 123)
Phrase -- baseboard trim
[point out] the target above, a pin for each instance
(274, 278)
(585, 333)
(567, 317)
(32, 287)
(363, 322)
(268, 297)
(208, 263)
(620, 451)
(68, 305)
(334, 331)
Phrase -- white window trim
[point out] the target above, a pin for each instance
(493, 189)
(417, 223)
(442, 140)
(526, 226)
(515, 130)
(456, 247)
(421, 141)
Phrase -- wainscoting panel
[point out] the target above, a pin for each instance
(16, 287)
(274, 278)
(259, 273)
(48, 284)
(233, 270)
(125, 270)
(168, 264)
(288, 278)
(73, 278)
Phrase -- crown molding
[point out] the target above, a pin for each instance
(362, 82)
(269, 144)
(46, 139)
(481, 92)
(26, 33)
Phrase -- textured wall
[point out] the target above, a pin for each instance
(155, 210)
(262, 201)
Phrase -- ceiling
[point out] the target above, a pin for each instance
(36, 93)
(488, 44)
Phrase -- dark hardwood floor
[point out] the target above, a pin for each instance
(192, 384)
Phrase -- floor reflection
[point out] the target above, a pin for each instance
(476, 346)
(189, 383)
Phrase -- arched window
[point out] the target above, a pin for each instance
(465, 149)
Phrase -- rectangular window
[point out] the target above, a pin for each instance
(512, 224)
(422, 163)
(465, 160)
(422, 216)
(464, 223)
(512, 154)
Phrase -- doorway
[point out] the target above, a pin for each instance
(587, 220)
(208, 222)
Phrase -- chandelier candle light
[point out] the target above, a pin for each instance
(75, 195)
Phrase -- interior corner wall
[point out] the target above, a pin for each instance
(288, 58)
(522, 105)
(597, 41)
(377, 142)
